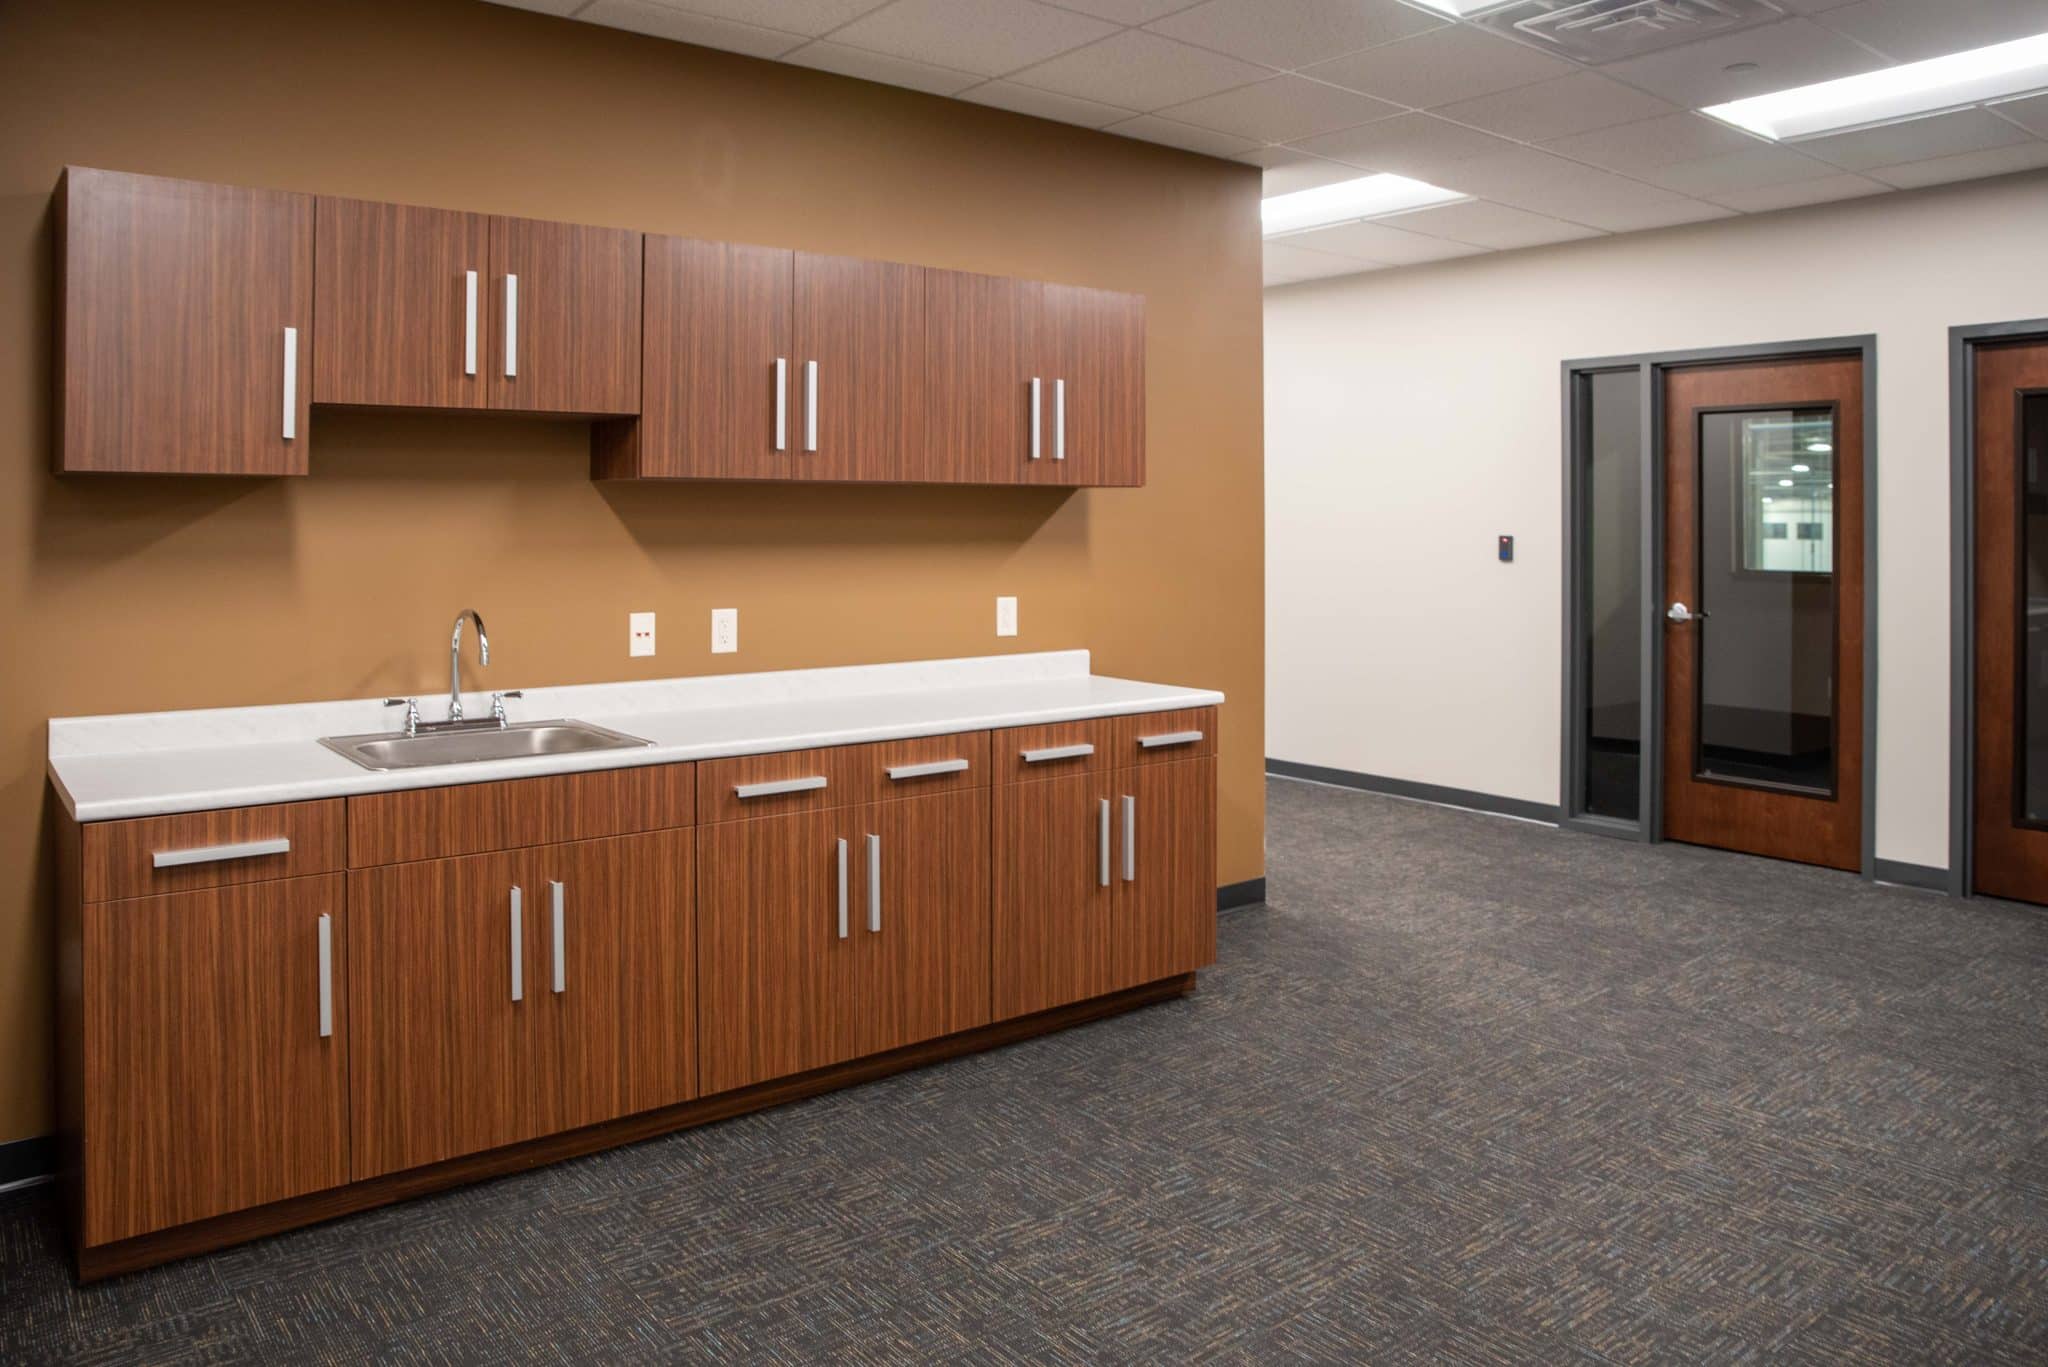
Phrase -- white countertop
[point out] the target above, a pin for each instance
(150, 764)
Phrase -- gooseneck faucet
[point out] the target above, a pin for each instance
(483, 657)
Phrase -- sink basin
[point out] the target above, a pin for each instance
(480, 741)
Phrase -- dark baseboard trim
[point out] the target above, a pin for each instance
(1909, 875)
(27, 1160)
(1250, 892)
(1420, 792)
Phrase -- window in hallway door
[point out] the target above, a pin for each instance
(1787, 492)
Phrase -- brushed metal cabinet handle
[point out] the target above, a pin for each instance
(875, 884)
(518, 960)
(772, 788)
(899, 772)
(1130, 838)
(1059, 419)
(810, 405)
(561, 967)
(1053, 752)
(291, 383)
(1036, 402)
(217, 854)
(326, 976)
(1102, 843)
(469, 323)
(842, 888)
(511, 326)
(781, 403)
(1170, 738)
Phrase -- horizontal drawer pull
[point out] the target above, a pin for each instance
(1170, 738)
(899, 772)
(777, 787)
(215, 854)
(1052, 752)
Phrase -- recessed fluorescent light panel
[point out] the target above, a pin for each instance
(1895, 93)
(1350, 200)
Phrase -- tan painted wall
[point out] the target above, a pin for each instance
(128, 594)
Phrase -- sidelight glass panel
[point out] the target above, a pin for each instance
(1767, 597)
(2033, 635)
(1610, 452)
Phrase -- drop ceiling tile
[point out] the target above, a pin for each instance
(2029, 112)
(1764, 198)
(992, 37)
(1643, 217)
(1141, 70)
(1529, 179)
(1811, 6)
(1376, 242)
(1633, 147)
(1187, 137)
(1285, 264)
(1997, 161)
(1941, 135)
(1441, 66)
(1131, 12)
(1790, 53)
(1485, 224)
(1281, 110)
(1557, 108)
(1288, 170)
(1914, 29)
(813, 17)
(1745, 170)
(1411, 144)
(1292, 33)
(659, 21)
(1045, 104)
(877, 66)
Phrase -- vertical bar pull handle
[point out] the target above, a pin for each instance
(511, 326)
(561, 968)
(1037, 386)
(1102, 844)
(518, 961)
(842, 889)
(326, 976)
(469, 323)
(291, 383)
(1059, 419)
(810, 405)
(781, 403)
(1130, 838)
(875, 884)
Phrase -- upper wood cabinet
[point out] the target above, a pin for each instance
(860, 346)
(1093, 344)
(185, 319)
(430, 308)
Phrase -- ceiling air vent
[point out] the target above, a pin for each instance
(1596, 31)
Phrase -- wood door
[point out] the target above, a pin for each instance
(925, 940)
(776, 978)
(565, 335)
(1165, 916)
(392, 307)
(445, 1057)
(1763, 732)
(209, 1086)
(176, 301)
(982, 354)
(1094, 343)
(2010, 842)
(1051, 893)
(862, 324)
(616, 977)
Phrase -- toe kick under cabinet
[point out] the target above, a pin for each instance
(275, 1015)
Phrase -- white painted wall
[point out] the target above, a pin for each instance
(1413, 416)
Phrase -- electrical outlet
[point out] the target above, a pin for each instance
(639, 633)
(1006, 617)
(725, 630)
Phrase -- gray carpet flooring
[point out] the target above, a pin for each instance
(1465, 1090)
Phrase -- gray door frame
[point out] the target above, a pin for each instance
(1650, 368)
(1962, 612)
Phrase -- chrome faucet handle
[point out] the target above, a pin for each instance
(412, 713)
(498, 706)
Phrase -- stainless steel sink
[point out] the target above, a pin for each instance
(472, 742)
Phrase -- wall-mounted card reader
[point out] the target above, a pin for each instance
(1507, 548)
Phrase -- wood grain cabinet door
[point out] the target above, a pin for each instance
(923, 919)
(402, 305)
(565, 318)
(186, 321)
(444, 978)
(777, 969)
(1094, 344)
(859, 381)
(214, 1081)
(1165, 918)
(1052, 893)
(986, 418)
(616, 979)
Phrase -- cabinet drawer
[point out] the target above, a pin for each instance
(922, 766)
(154, 854)
(1023, 753)
(472, 818)
(1160, 737)
(748, 786)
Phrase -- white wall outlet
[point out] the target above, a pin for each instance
(725, 630)
(1006, 617)
(639, 633)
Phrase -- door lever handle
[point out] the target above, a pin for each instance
(1678, 612)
